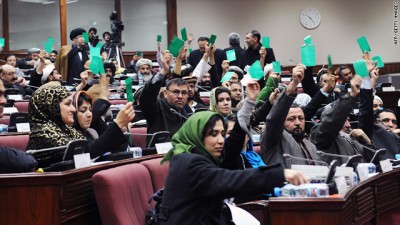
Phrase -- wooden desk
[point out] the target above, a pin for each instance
(54, 197)
(375, 201)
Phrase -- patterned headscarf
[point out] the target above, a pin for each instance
(190, 136)
(47, 127)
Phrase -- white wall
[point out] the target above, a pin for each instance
(341, 24)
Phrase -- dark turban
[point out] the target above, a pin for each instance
(76, 32)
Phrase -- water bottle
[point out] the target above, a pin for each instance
(3, 128)
(136, 151)
(305, 190)
(140, 77)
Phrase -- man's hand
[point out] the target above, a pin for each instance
(182, 53)
(359, 133)
(374, 77)
(297, 77)
(328, 84)
(208, 50)
(273, 96)
(355, 84)
(165, 60)
(85, 76)
(21, 81)
(42, 56)
(125, 115)
(263, 52)
(298, 73)
(295, 177)
(190, 38)
(104, 87)
(252, 90)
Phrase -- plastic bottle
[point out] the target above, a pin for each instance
(140, 77)
(320, 190)
(3, 128)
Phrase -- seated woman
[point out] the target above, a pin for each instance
(84, 119)
(51, 113)
(198, 182)
(220, 101)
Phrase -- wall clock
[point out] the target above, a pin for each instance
(310, 18)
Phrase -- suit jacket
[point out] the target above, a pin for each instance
(276, 141)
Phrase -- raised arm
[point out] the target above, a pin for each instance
(148, 99)
(335, 116)
(275, 122)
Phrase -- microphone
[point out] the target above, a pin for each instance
(176, 113)
(352, 160)
(288, 156)
(202, 88)
(334, 155)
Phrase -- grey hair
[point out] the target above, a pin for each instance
(234, 39)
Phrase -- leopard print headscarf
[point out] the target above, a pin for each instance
(47, 128)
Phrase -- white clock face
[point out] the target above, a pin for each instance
(310, 18)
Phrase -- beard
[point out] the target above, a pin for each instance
(205, 84)
(298, 134)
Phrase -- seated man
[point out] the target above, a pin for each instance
(312, 88)
(386, 133)
(10, 80)
(327, 134)
(284, 133)
(236, 93)
(144, 67)
(13, 160)
(194, 102)
(169, 114)
(28, 63)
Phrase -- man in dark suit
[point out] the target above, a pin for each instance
(196, 55)
(255, 51)
(252, 53)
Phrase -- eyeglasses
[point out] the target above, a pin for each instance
(386, 120)
(378, 105)
(177, 92)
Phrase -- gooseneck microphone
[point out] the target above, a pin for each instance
(177, 113)
(288, 156)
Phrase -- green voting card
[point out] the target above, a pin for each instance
(159, 38)
(128, 85)
(212, 39)
(266, 41)
(190, 50)
(330, 65)
(139, 53)
(364, 45)
(96, 65)
(308, 40)
(2, 42)
(361, 68)
(308, 55)
(85, 36)
(256, 70)
(227, 76)
(231, 55)
(184, 34)
(175, 46)
(51, 40)
(48, 46)
(277, 67)
(379, 61)
(94, 51)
